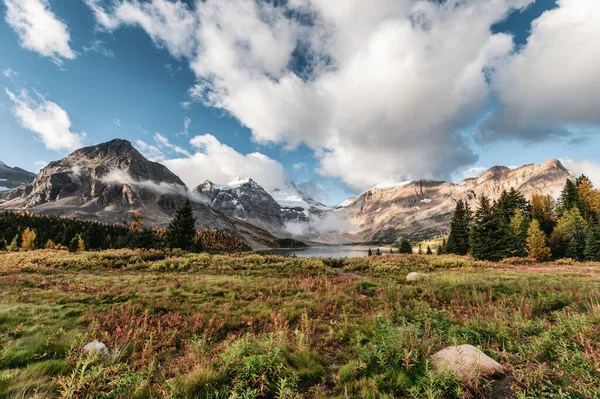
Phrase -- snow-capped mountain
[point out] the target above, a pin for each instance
(13, 177)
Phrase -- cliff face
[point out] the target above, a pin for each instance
(423, 208)
(13, 177)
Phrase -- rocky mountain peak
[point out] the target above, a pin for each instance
(553, 164)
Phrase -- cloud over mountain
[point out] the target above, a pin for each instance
(381, 93)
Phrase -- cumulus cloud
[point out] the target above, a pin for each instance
(586, 167)
(299, 166)
(474, 172)
(45, 118)
(553, 82)
(220, 163)
(39, 29)
(379, 92)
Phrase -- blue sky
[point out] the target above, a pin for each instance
(126, 79)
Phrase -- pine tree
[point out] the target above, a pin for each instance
(405, 247)
(592, 243)
(568, 197)
(489, 234)
(28, 240)
(370, 253)
(182, 229)
(510, 202)
(420, 250)
(3, 245)
(429, 252)
(536, 243)
(74, 244)
(378, 252)
(391, 250)
(458, 241)
(440, 248)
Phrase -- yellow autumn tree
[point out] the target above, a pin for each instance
(50, 245)
(536, 243)
(28, 240)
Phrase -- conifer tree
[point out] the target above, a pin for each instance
(3, 245)
(80, 244)
(370, 253)
(182, 229)
(536, 243)
(568, 197)
(489, 234)
(429, 252)
(458, 241)
(74, 244)
(50, 245)
(420, 250)
(569, 235)
(405, 247)
(28, 240)
(378, 252)
(543, 209)
(592, 243)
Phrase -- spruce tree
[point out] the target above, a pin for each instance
(458, 241)
(569, 235)
(74, 244)
(519, 225)
(543, 209)
(592, 243)
(568, 197)
(489, 234)
(378, 252)
(370, 253)
(405, 247)
(182, 229)
(536, 243)
(429, 252)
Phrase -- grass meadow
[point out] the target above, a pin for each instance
(265, 326)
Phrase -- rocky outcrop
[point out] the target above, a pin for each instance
(466, 361)
(14, 177)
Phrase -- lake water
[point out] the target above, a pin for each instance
(333, 251)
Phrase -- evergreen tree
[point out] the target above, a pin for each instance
(391, 250)
(28, 240)
(568, 197)
(570, 232)
(429, 252)
(509, 203)
(370, 253)
(405, 247)
(536, 243)
(592, 243)
(440, 249)
(378, 252)
(74, 244)
(3, 245)
(420, 250)
(490, 234)
(182, 229)
(519, 225)
(458, 241)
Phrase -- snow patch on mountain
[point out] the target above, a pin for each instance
(291, 196)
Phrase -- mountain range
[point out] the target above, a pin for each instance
(113, 182)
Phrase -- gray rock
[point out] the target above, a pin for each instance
(466, 361)
(414, 276)
(96, 347)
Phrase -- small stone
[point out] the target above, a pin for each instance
(467, 362)
(95, 347)
(414, 276)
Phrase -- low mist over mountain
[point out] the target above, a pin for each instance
(13, 177)
(109, 181)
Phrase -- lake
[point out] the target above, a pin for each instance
(330, 251)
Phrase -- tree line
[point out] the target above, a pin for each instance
(540, 228)
(24, 230)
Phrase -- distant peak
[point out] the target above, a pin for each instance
(553, 163)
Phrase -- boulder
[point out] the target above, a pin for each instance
(414, 276)
(467, 362)
(96, 347)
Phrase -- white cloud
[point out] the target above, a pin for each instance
(586, 167)
(186, 127)
(474, 172)
(186, 105)
(39, 29)
(47, 119)
(98, 46)
(554, 80)
(163, 142)
(117, 122)
(150, 151)
(384, 88)
(9, 74)
(299, 166)
(220, 163)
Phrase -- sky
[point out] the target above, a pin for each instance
(338, 96)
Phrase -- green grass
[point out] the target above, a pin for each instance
(253, 326)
